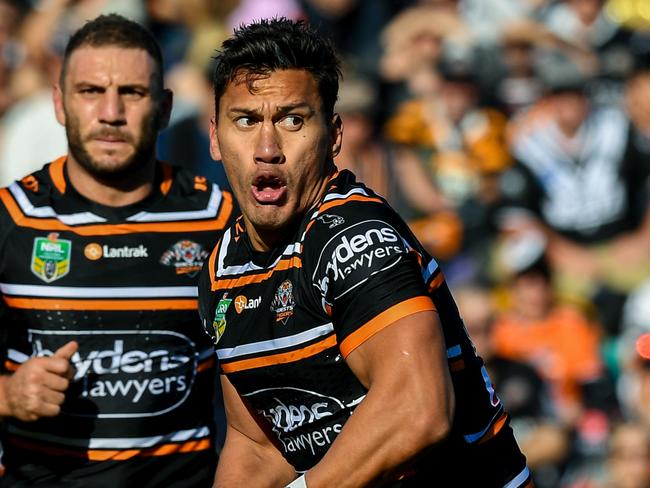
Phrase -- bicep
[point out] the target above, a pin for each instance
(408, 357)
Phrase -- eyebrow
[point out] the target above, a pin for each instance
(281, 109)
(127, 86)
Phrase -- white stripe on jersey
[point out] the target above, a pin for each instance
(99, 292)
(209, 212)
(518, 480)
(223, 271)
(48, 212)
(118, 442)
(336, 196)
(274, 344)
(17, 356)
(29, 209)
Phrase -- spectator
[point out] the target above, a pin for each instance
(452, 151)
(556, 339)
(577, 180)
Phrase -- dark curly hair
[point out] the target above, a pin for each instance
(277, 44)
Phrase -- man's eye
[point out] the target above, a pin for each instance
(291, 122)
(91, 90)
(132, 94)
(245, 121)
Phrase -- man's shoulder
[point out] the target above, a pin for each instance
(187, 183)
(347, 204)
(34, 188)
(195, 195)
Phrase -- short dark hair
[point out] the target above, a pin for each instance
(115, 30)
(278, 44)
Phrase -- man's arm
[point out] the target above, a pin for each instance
(248, 457)
(408, 408)
(37, 388)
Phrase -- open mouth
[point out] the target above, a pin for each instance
(268, 190)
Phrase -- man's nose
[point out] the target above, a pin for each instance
(111, 108)
(268, 146)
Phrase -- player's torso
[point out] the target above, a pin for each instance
(278, 347)
(126, 292)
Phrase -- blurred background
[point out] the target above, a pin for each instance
(513, 136)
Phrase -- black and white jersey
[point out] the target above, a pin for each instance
(122, 282)
(284, 322)
(584, 188)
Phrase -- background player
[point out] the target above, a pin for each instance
(109, 379)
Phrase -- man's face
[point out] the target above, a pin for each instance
(111, 110)
(275, 144)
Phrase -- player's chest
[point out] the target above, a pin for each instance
(275, 305)
(63, 258)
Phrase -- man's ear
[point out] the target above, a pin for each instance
(57, 99)
(336, 135)
(166, 103)
(215, 151)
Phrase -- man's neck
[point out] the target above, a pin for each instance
(112, 194)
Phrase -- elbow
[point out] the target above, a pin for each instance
(435, 422)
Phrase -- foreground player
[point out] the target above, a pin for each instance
(109, 378)
(321, 303)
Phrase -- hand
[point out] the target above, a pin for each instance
(37, 388)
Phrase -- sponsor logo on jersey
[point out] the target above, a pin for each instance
(51, 257)
(124, 374)
(242, 303)
(283, 302)
(95, 251)
(219, 322)
(356, 253)
(331, 220)
(302, 420)
(186, 257)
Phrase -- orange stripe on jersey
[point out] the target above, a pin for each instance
(495, 429)
(167, 179)
(11, 366)
(383, 320)
(118, 229)
(56, 173)
(353, 198)
(283, 358)
(114, 454)
(205, 365)
(61, 304)
(284, 264)
(436, 282)
(211, 261)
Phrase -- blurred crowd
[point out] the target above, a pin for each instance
(513, 135)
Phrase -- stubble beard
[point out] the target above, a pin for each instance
(125, 171)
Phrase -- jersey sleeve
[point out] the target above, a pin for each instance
(366, 271)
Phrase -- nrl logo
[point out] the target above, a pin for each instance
(51, 257)
(331, 220)
(219, 322)
(283, 302)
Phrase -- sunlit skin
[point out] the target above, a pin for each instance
(277, 148)
(112, 111)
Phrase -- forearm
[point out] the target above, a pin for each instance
(5, 408)
(244, 463)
